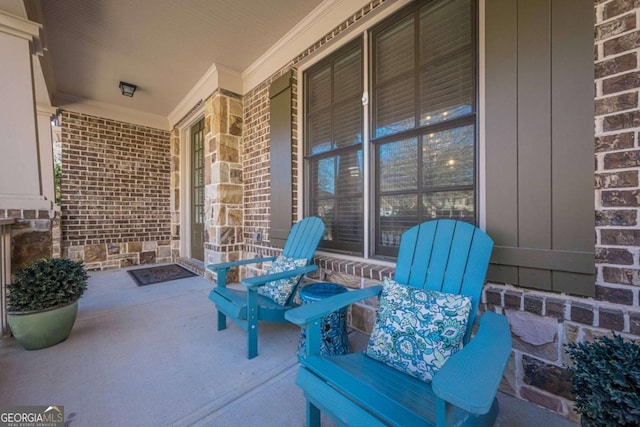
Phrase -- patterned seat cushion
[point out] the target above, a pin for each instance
(417, 330)
(281, 290)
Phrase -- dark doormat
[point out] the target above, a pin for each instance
(163, 273)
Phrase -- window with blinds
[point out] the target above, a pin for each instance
(423, 118)
(422, 133)
(334, 127)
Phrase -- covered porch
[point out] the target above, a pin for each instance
(542, 101)
(151, 356)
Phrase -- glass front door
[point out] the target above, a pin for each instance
(197, 191)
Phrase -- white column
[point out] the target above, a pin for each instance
(20, 180)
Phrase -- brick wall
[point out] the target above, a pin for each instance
(115, 192)
(617, 154)
(256, 162)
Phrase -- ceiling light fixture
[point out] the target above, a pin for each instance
(127, 89)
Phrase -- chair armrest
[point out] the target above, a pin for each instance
(470, 378)
(227, 265)
(307, 313)
(255, 282)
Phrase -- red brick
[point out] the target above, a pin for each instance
(618, 26)
(621, 198)
(618, 7)
(620, 236)
(614, 142)
(622, 44)
(617, 180)
(614, 104)
(621, 83)
(621, 121)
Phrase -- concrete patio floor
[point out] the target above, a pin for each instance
(151, 356)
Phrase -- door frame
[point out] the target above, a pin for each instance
(193, 233)
(185, 181)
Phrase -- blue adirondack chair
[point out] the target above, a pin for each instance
(357, 390)
(246, 308)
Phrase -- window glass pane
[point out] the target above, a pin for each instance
(395, 50)
(347, 119)
(325, 210)
(319, 132)
(395, 80)
(349, 219)
(398, 165)
(446, 89)
(319, 95)
(400, 205)
(445, 27)
(350, 170)
(450, 204)
(395, 109)
(348, 77)
(324, 177)
(448, 158)
(338, 197)
(446, 61)
(397, 214)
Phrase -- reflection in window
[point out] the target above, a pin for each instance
(448, 158)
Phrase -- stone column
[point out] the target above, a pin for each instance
(223, 177)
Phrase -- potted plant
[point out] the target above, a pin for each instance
(43, 301)
(605, 376)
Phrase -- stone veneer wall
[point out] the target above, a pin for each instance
(115, 192)
(35, 234)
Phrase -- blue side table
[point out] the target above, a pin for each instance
(334, 339)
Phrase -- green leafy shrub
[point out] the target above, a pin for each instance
(606, 381)
(57, 180)
(46, 283)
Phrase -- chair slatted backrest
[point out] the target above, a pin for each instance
(304, 238)
(448, 256)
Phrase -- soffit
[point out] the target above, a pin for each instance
(163, 46)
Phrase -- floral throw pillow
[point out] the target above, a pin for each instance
(417, 330)
(280, 290)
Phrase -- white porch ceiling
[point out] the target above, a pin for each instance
(163, 46)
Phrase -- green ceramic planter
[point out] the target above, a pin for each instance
(42, 329)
